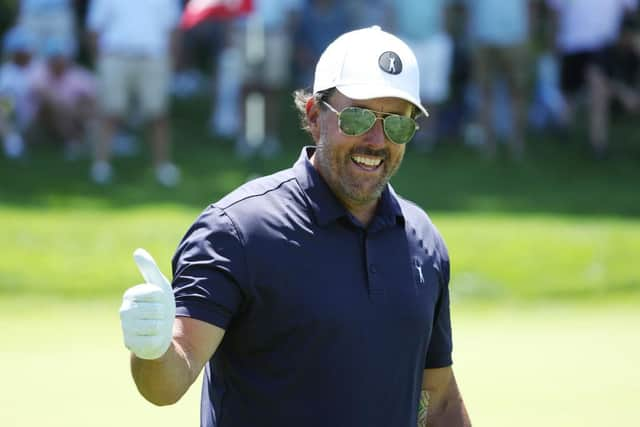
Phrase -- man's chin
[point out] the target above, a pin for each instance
(365, 195)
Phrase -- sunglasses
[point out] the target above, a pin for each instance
(355, 121)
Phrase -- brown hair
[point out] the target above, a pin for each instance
(301, 98)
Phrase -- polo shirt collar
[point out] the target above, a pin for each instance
(388, 213)
(327, 207)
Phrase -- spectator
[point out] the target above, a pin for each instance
(422, 25)
(64, 94)
(7, 16)
(625, 85)
(500, 32)
(46, 19)
(16, 108)
(199, 45)
(366, 13)
(455, 113)
(547, 109)
(267, 38)
(225, 118)
(632, 32)
(134, 43)
(228, 64)
(586, 32)
(325, 14)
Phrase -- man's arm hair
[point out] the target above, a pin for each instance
(442, 396)
(165, 380)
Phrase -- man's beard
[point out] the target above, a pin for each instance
(335, 167)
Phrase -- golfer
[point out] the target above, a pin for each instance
(316, 296)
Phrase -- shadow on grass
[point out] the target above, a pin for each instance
(556, 177)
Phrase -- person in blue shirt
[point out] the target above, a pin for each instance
(329, 15)
(316, 296)
(46, 19)
(499, 32)
(423, 26)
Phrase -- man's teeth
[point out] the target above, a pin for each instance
(367, 161)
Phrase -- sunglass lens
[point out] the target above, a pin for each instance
(355, 121)
(399, 129)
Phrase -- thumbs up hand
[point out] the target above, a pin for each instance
(148, 310)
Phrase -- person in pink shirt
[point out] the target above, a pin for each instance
(65, 97)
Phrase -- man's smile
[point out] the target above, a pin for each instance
(367, 162)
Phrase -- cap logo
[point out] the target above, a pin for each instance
(390, 63)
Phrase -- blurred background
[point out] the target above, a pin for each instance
(121, 120)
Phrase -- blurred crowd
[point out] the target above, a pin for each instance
(81, 73)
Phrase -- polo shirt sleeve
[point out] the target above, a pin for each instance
(209, 270)
(440, 345)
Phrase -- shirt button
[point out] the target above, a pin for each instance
(373, 269)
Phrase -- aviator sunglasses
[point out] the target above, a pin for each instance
(355, 121)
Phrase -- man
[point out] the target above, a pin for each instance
(134, 43)
(315, 296)
(64, 94)
(264, 39)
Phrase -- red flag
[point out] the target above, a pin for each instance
(197, 11)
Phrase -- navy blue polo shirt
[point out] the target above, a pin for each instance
(327, 323)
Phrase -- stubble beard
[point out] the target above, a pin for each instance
(334, 168)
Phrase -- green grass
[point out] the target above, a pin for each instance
(527, 258)
(86, 253)
(558, 177)
(558, 225)
(551, 365)
(64, 365)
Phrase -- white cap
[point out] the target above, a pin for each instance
(370, 63)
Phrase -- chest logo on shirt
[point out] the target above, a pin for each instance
(390, 62)
(420, 276)
(418, 266)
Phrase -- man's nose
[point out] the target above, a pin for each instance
(375, 135)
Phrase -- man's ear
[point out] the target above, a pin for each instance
(313, 118)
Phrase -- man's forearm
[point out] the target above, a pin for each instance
(452, 413)
(441, 394)
(165, 380)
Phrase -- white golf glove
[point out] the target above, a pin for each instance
(148, 310)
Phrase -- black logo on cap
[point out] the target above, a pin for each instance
(390, 63)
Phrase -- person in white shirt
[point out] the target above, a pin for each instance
(16, 106)
(134, 44)
(265, 38)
